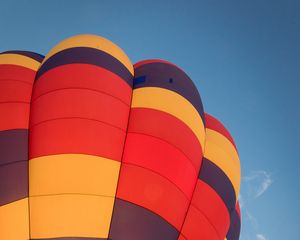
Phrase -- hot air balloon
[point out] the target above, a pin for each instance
(93, 147)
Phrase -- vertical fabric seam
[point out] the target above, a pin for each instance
(115, 198)
(190, 203)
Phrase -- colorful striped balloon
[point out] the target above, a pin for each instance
(92, 147)
(17, 73)
(218, 184)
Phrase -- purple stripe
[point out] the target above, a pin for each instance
(13, 182)
(89, 56)
(170, 77)
(134, 222)
(13, 146)
(33, 55)
(217, 179)
(235, 226)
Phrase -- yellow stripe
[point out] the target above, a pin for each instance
(220, 151)
(19, 60)
(14, 220)
(69, 216)
(172, 103)
(73, 173)
(93, 41)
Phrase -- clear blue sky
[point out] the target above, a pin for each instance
(244, 57)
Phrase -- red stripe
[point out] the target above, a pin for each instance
(168, 128)
(81, 103)
(14, 116)
(196, 226)
(76, 136)
(11, 90)
(214, 124)
(161, 157)
(152, 191)
(15, 94)
(83, 76)
(79, 108)
(8, 71)
(206, 200)
(237, 208)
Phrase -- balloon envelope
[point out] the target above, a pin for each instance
(93, 147)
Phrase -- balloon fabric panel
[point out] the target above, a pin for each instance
(82, 134)
(17, 73)
(93, 147)
(215, 196)
(156, 163)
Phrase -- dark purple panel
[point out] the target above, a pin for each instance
(33, 55)
(89, 56)
(134, 222)
(13, 145)
(13, 182)
(235, 226)
(164, 75)
(218, 180)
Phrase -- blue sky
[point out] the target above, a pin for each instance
(244, 57)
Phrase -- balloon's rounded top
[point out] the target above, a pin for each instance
(167, 75)
(96, 42)
(20, 58)
(148, 61)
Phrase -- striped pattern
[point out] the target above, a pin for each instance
(76, 144)
(94, 42)
(162, 155)
(23, 60)
(235, 224)
(92, 147)
(212, 175)
(17, 73)
(168, 76)
(85, 55)
(33, 55)
(215, 195)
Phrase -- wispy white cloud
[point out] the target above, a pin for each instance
(255, 185)
(258, 182)
(253, 232)
(251, 219)
(260, 237)
(265, 184)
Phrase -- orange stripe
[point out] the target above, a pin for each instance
(214, 124)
